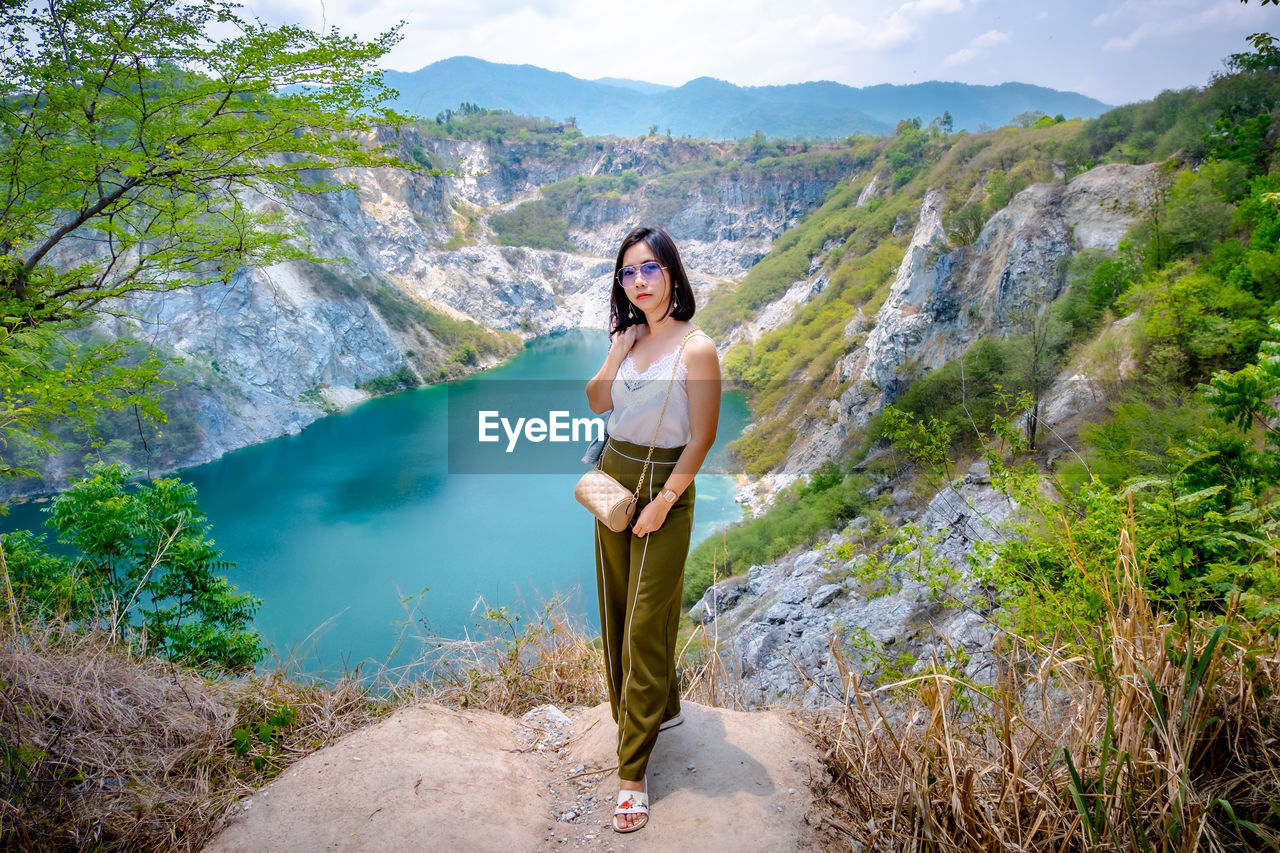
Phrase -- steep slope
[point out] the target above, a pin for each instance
(895, 588)
(941, 301)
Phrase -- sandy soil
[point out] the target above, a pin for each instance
(434, 778)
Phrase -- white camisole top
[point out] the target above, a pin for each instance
(637, 401)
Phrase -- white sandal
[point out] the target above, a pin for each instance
(629, 803)
(671, 723)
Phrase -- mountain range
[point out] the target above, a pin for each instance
(714, 109)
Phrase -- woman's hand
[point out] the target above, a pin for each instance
(651, 517)
(599, 387)
(623, 341)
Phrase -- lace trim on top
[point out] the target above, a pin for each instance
(660, 369)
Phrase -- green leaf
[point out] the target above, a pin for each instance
(1202, 666)
(1196, 497)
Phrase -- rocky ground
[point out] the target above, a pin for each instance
(436, 778)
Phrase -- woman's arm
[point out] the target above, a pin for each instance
(600, 386)
(703, 385)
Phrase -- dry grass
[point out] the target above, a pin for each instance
(550, 660)
(1167, 739)
(103, 751)
(704, 678)
(553, 659)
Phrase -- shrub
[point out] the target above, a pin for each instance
(534, 224)
(390, 383)
(967, 224)
(143, 568)
(965, 390)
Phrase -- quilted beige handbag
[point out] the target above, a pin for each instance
(606, 498)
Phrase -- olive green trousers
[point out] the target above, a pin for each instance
(639, 581)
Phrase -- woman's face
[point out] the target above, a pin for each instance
(647, 294)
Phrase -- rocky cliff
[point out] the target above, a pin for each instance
(942, 300)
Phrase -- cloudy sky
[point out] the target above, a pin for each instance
(1117, 52)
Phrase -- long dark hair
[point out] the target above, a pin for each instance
(681, 306)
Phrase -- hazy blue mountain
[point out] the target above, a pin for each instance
(714, 109)
(635, 85)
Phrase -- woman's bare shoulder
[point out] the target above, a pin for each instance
(700, 342)
(701, 357)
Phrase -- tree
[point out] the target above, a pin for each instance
(1264, 44)
(1042, 341)
(905, 125)
(133, 143)
(138, 152)
(1148, 207)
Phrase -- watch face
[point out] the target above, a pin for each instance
(669, 496)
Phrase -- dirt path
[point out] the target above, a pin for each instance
(434, 778)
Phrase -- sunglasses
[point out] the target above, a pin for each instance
(649, 271)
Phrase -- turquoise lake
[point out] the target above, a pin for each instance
(336, 528)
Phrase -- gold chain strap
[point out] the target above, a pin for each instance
(663, 414)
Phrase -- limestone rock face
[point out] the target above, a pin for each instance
(781, 618)
(272, 348)
(943, 300)
(722, 230)
(903, 320)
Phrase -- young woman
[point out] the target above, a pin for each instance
(640, 571)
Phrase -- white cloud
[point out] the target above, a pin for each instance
(901, 24)
(1127, 9)
(976, 48)
(748, 42)
(1184, 20)
(990, 38)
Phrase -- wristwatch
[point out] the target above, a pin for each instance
(668, 496)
